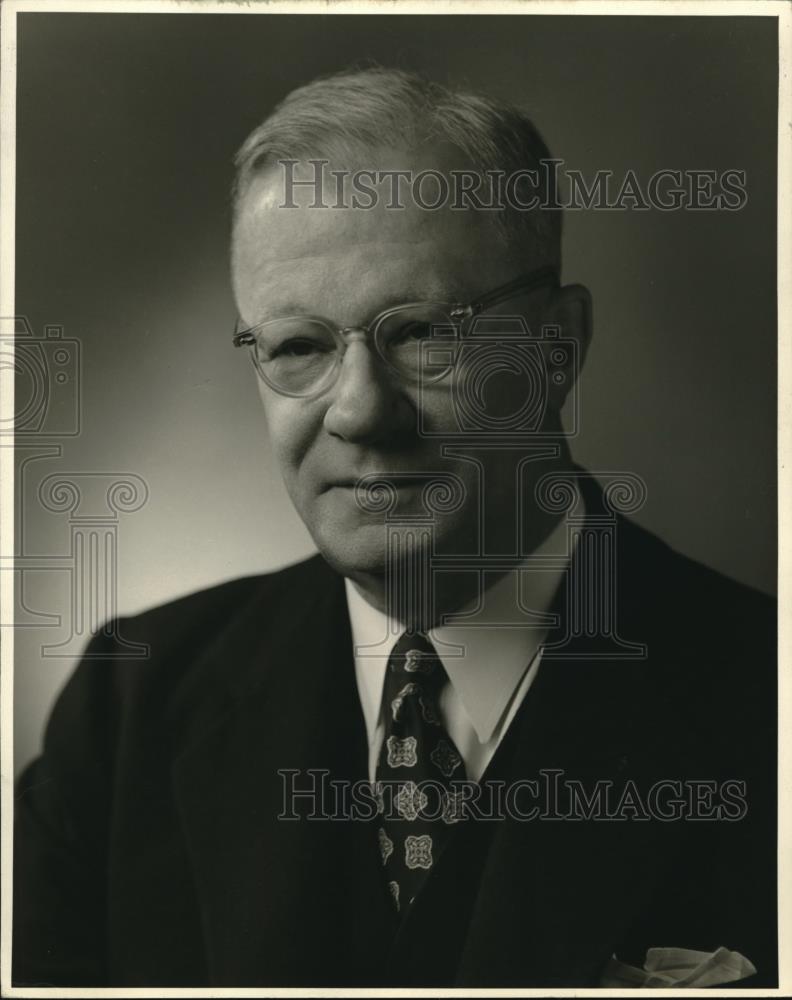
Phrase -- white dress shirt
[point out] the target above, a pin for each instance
(490, 666)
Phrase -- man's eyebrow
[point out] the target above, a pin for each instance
(404, 297)
(294, 308)
(285, 309)
(281, 311)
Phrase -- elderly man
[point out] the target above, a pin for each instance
(493, 734)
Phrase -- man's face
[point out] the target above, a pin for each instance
(347, 265)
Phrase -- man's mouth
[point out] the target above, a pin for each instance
(378, 480)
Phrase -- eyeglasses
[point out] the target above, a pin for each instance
(301, 355)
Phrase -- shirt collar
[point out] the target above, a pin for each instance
(485, 663)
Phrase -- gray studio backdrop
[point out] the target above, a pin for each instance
(126, 129)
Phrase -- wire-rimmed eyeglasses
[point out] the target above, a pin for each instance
(301, 355)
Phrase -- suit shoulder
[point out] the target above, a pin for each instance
(178, 634)
(714, 635)
(205, 609)
(669, 575)
(144, 657)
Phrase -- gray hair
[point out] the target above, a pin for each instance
(366, 109)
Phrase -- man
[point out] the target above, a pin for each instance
(566, 729)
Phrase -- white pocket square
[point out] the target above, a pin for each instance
(666, 967)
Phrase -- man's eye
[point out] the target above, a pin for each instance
(412, 331)
(299, 349)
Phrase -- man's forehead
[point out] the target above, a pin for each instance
(299, 215)
(441, 246)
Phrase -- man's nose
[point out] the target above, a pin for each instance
(367, 404)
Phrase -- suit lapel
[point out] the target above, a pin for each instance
(277, 894)
(557, 895)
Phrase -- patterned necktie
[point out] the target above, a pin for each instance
(417, 765)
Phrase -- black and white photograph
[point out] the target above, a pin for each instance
(395, 490)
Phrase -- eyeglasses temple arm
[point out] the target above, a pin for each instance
(543, 276)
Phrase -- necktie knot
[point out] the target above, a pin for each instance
(414, 658)
(415, 671)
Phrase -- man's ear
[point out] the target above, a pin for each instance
(569, 309)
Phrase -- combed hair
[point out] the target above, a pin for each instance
(364, 110)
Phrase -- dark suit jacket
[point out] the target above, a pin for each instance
(149, 849)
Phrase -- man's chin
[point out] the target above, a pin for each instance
(368, 550)
(362, 551)
(356, 542)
